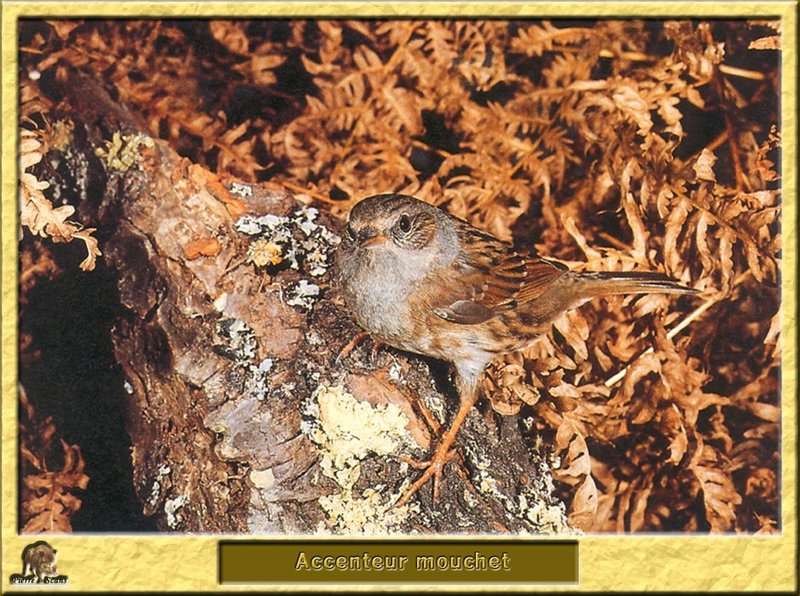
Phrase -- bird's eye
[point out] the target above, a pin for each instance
(404, 224)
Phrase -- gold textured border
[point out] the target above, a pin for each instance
(189, 563)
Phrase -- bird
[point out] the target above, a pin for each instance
(421, 280)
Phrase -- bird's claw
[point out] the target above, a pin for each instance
(415, 463)
(433, 468)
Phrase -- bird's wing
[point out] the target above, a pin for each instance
(489, 278)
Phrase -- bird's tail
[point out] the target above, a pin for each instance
(607, 283)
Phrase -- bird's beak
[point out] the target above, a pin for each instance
(375, 241)
(371, 237)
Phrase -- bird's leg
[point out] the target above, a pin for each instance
(376, 347)
(436, 430)
(351, 345)
(422, 410)
(444, 453)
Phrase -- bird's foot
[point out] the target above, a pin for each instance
(353, 343)
(350, 346)
(433, 469)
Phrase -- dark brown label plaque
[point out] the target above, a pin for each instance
(398, 562)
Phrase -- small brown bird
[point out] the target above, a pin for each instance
(418, 279)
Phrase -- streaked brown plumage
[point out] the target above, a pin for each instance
(421, 280)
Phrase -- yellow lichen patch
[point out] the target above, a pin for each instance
(123, 150)
(368, 514)
(263, 252)
(350, 430)
(346, 432)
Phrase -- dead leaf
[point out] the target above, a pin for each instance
(583, 509)
(202, 247)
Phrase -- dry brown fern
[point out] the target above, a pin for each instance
(47, 499)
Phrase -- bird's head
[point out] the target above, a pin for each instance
(399, 221)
